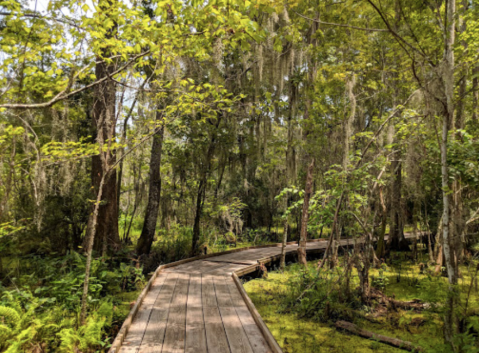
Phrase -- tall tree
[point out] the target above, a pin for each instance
(149, 225)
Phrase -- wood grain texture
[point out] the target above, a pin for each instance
(208, 292)
(255, 337)
(223, 296)
(237, 339)
(257, 318)
(156, 328)
(194, 291)
(195, 330)
(216, 339)
(137, 329)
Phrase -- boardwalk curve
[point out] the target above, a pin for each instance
(199, 305)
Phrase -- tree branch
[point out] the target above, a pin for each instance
(343, 25)
(394, 33)
(63, 95)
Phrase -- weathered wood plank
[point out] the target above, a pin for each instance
(137, 329)
(229, 269)
(255, 337)
(257, 318)
(215, 333)
(155, 330)
(223, 296)
(198, 267)
(181, 290)
(194, 291)
(175, 330)
(218, 267)
(195, 330)
(176, 326)
(237, 339)
(236, 298)
(208, 292)
(195, 325)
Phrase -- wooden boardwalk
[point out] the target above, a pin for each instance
(199, 305)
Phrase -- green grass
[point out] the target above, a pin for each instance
(300, 334)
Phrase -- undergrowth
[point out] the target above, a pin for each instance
(39, 311)
(40, 296)
(301, 306)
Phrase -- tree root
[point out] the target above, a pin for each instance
(395, 342)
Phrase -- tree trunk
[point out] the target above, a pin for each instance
(396, 240)
(120, 168)
(362, 264)
(201, 194)
(104, 119)
(89, 247)
(305, 215)
(448, 116)
(348, 132)
(289, 166)
(283, 245)
(457, 216)
(380, 250)
(348, 124)
(475, 92)
(151, 216)
(199, 210)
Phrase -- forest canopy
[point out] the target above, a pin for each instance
(136, 133)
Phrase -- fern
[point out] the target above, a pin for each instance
(9, 316)
(21, 340)
(69, 339)
(90, 334)
(13, 301)
(5, 334)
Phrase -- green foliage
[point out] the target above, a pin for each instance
(9, 316)
(43, 309)
(89, 335)
(320, 295)
(381, 280)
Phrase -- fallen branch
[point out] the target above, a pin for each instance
(395, 342)
(405, 305)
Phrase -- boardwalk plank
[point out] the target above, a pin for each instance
(195, 326)
(222, 293)
(236, 298)
(175, 330)
(208, 292)
(155, 330)
(176, 326)
(195, 307)
(194, 291)
(237, 339)
(215, 333)
(135, 334)
(255, 337)
(181, 290)
(228, 269)
(195, 330)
